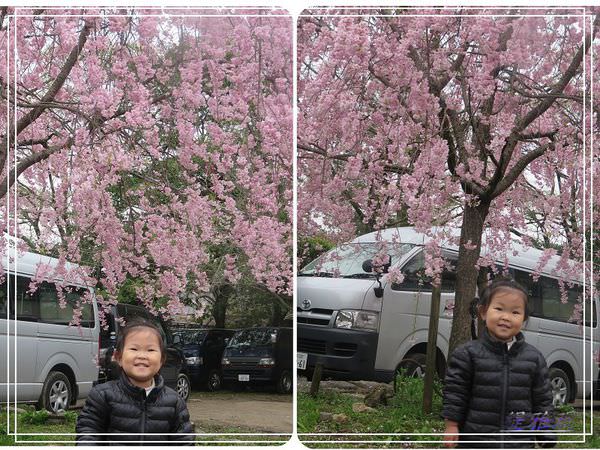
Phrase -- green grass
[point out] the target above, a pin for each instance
(402, 414)
(32, 421)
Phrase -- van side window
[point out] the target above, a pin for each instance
(576, 298)
(534, 290)
(51, 310)
(414, 276)
(594, 315)
(449, 273)
(42, 305)
(3, 297)
(28, 307)
(416, 280)
(562, 310)
(552, 306)
(545, 298)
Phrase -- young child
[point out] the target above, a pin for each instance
(497, 377)
(138, 402)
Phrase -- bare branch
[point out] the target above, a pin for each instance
(26, 163)
(518, 168)
(32, 115)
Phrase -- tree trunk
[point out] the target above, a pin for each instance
(466, 272)
(219, 309)
(276, 315)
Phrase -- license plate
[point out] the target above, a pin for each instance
(243, 377)
(301, 358)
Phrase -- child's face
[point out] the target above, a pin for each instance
(505, 314)
(141, 358)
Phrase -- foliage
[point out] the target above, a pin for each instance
(39, 417)
(467, 123)
(24, 426)
(310, 247)
(145, 138)
(403, 415)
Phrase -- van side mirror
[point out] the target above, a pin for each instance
(367, 265)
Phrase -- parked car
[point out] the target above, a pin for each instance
(203, 350)
(48, 362)
(260, 356)
(173, 371)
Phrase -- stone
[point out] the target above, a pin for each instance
(378, 395)
(361, 408)
(340, 418)
(325, 417)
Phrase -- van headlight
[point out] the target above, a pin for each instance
(194, 360)
(266, 362)
(357, 320)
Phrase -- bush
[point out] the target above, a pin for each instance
(35, 417)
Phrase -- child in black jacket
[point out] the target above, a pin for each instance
(498, 378)
(137, 407)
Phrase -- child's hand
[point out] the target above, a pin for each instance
(451, 434)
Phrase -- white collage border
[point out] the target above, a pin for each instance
(296, 12)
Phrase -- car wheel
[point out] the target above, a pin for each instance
(214, 382)
(56, 393)
(183, 386)
(284, 384)
(561, 386)
(411, 366)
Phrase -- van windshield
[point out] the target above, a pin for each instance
(254, 338)
(189, 337)
(346, 260)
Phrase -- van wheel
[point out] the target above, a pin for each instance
(214, 382)
(411, 366)
(56, 393)
(284, 384)
(561, 386)
(183, 386)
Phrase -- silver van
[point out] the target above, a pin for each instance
(356, 334)
(47, 361)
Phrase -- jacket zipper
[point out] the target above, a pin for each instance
(143, 419)
(504, 392)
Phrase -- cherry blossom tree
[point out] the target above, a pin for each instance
(145, 139)
(455, 118)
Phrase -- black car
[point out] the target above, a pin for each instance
(203, 350)
(173, 371)
(260, 356)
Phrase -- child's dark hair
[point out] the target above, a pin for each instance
(132, 325)
(502, 284)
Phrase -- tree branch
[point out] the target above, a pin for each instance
(32, 115)
(26, 163)
(517, 169)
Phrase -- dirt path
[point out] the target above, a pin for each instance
(260, 412)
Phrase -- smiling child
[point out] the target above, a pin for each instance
(138, 406)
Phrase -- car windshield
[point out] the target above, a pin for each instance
(346, 260)
(190, 336)
(254, 338)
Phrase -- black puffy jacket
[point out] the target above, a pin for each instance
(486, 384)
(119, 407)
